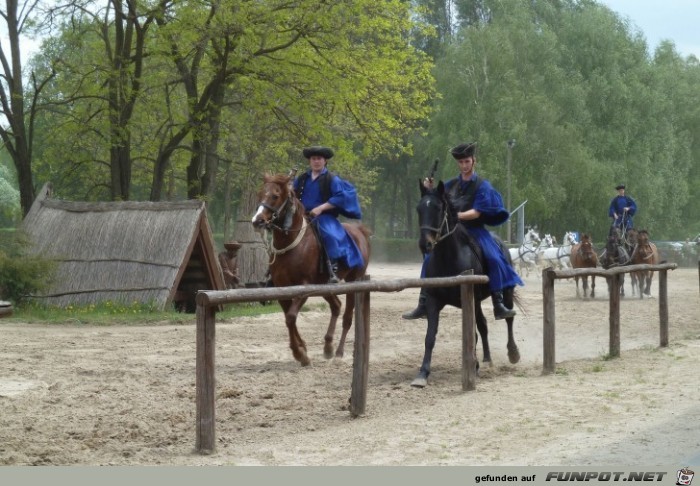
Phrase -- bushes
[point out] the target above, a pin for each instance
(21, 274)
(395, 250)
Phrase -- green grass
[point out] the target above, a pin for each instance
(110, 313)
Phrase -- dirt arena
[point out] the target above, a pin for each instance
(79, 394)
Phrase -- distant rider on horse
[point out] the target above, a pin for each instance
(622, 208)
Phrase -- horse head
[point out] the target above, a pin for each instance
(570, 238)
(433, 217)
(532, 236)
(641, 237)
(586, 250)
(275, 207)
(615, 252)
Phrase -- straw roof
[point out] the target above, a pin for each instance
(147, 252)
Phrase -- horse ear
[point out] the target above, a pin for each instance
(441, 188)
(421, 187)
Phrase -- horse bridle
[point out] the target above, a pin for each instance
(445, 223)
(270, 225)
(529, 248)
(276, 215)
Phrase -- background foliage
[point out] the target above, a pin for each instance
(172, 100)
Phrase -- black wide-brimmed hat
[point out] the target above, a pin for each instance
(324, 152)
(619, 186)
(464, 150)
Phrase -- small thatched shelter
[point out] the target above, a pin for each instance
(146, 252)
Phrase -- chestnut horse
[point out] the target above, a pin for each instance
(296, 259)
(645, 252)
(583, 255)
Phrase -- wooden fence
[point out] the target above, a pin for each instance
(549, 275)
(209, 301)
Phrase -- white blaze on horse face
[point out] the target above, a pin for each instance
(258, 213)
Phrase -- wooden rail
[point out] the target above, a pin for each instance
(613, 276)
(208, 302)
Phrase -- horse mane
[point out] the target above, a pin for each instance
(282, 180)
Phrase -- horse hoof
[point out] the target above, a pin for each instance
(419, 382)
(328, 353)
(514, 355)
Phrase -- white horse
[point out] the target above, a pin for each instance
(525, 256)
(559, 256)
(546, 243)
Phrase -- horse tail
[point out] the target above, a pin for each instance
(518, 301)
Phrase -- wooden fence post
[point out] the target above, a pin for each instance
(468, 336)
(663, 308)
(360, 375)
(548, 323)
(205, 382)
(614, 286)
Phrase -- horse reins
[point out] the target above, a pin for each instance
(444, 224)
(270, 247)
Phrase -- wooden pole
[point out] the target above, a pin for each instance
(205, 383)
(360, 365)
(468, 336)
(548, 321)
(663, 308)
(614, 285)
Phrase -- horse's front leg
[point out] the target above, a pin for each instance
(647, 289)
(592, 287)
(347, 323)
(433, 316)
(622, 285)
(513, 351)
(483, 328)
(296, 343)
(335, 305)
(578, 294)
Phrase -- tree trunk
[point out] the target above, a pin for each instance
(227, 199)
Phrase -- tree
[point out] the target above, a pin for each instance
(17, 129)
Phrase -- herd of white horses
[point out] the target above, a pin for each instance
(537, 253)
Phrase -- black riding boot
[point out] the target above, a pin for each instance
(500, 311)
(420, 311)
(332, 269)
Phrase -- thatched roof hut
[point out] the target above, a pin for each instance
(147, 252)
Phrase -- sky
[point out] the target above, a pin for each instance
(674, 20)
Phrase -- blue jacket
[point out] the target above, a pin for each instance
(337, 242)
(489, 203)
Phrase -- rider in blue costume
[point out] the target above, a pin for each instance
(477, 208)
(324, 209)
(622, 208)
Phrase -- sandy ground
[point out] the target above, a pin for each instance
(80, 394)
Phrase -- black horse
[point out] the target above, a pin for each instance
(616, 254)
(452, 251)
